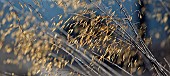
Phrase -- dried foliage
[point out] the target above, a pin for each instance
(89, 38)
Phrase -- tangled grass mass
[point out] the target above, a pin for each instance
(84, 37)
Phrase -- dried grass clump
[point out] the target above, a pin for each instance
(92, 41)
